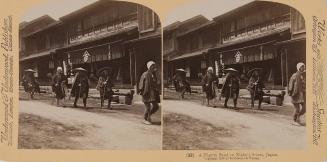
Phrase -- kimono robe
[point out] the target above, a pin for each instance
(255, 87)
(80, 86)
(104, 86)
(296, 88)
(58, 83)
(208, 82)
(149, 86)
(230, 86)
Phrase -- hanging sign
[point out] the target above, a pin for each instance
(238, 56)
(86, 56)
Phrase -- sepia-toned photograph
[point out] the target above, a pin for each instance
(90, 76)
(234, 76)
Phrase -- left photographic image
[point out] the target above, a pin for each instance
(90, 76)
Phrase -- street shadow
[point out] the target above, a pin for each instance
(156, 123)
(119, 108)
(171, 98)
(269, 109)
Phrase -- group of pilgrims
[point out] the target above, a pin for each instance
(231, 87)
(149, 87)
(80, 87)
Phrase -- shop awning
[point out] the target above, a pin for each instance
(37, 55)
(188, 55)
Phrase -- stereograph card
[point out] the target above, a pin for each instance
(185, 80)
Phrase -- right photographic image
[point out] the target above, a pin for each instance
(234, 76)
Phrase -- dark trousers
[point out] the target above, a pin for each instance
(84, 101)
(149, 110)
(299, 109)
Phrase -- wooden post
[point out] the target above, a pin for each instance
(286, 64)
(130, 66)
(135, 69)
(282, 67)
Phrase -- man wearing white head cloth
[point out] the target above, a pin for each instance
(59, 83)
(296, 89)
(149, 87)
(209, 82)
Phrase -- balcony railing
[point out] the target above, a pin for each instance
(184, 50)
(126, 22)
(25, 53)
(268, 26)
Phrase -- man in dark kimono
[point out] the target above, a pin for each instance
(149, 87)
(231, 86)
(255, 88)
(80, 87)
(30, 83)
(180, 83)
(210, 84)
(104, 86)
(296, 89)
(59, 83)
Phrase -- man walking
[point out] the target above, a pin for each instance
(149, 86)
(231, 86)
(59, 83)
(209, 82)
(296, 89)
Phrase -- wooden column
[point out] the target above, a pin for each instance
(286, 67)
(281, 66)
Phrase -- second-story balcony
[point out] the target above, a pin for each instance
(254, 31)
(104, 29)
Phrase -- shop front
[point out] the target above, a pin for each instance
(194, 63)
(291, 52)
(93, 58)
(42, 63)
(245, 58)
(141, 51)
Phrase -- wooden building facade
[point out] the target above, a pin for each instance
(255, 35)
(39, 40)
(147, 47)
(96, 36)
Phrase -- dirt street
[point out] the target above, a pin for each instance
(96, 128)
(188, 125)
